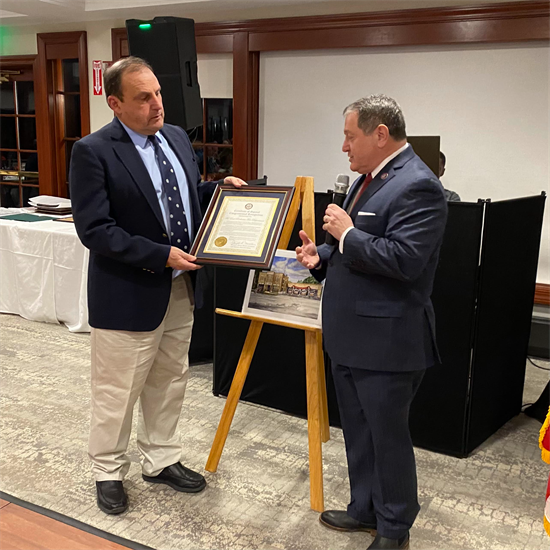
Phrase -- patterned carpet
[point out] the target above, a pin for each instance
(259, 498)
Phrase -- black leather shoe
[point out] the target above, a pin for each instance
(111, 497)
(383, 543)
(179, 478)
(339, 520)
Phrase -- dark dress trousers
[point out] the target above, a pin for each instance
(118, 217)
(379, 331)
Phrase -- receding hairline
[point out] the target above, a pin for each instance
(134, 69)
(114, 75)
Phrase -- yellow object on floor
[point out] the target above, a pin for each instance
(544, 443)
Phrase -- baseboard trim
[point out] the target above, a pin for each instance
(542, 294)
(73, 522)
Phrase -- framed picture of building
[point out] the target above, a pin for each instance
(286, 292)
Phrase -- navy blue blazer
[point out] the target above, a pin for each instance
(118, 218)
(377, 312)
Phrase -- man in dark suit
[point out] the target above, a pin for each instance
(137, 200)
(378, 320)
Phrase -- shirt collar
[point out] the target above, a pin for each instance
(377, 170)
(138, 139)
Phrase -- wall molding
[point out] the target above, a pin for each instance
(486, 12)
(489, 23)
(26, 61)
(206, 43)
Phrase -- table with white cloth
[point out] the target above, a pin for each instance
(43, 272)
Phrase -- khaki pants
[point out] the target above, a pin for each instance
(153, 366)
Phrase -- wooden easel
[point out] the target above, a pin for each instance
(317, 411)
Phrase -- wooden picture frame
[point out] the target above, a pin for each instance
(242, 226)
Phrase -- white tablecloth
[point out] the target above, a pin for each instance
(43, 272)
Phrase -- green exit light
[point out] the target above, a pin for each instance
(145, 26)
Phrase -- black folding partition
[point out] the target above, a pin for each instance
(439, 411)
(509, 258)
(483, 304)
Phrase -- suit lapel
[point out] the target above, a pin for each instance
(126, 151)
(374, 186)
(383, 177)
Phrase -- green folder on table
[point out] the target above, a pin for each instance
(26, 218)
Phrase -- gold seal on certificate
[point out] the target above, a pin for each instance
(242, 226)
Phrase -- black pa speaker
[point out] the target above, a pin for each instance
(168, 45)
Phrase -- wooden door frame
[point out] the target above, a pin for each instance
(57, 45)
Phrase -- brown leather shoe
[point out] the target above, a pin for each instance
(179, 478)
(383, 543)
(340, 521)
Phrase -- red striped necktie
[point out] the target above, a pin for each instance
(360, 191)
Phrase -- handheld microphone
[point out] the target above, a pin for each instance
(340, 192)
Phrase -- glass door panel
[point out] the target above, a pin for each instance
(219, 120)
(71, 76)
(25, 97)
(18, 133)
(8, 135)
(215, 138)
(72, 116)
(7, 98)
(9, 160)
(27, 133)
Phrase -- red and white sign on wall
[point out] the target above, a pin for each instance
(98, 78)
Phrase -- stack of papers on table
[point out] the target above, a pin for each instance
(51, 205)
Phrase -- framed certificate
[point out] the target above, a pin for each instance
(242, 226)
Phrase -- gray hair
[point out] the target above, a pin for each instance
(379, 109)
(112, 79)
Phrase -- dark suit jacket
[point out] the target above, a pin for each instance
(377, 312)
(118, 217)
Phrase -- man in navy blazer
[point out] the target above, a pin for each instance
(138, 201)
(378, 320)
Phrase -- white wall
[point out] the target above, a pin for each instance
(489, 105)
(216, 75)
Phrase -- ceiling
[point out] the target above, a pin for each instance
(38, 12)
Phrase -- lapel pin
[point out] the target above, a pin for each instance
(384, 175)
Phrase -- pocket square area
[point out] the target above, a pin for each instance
(366, 214)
